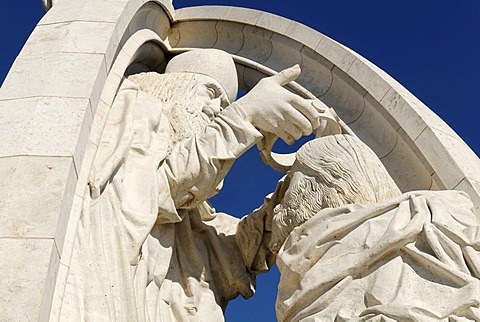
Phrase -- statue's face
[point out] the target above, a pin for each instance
(188, 100)
(300, 201)
(294, 177)
(191, 102)
(210, 96)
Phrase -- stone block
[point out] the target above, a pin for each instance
(98, 124)
(272, 22)
(336, 53)
(345, 96)
(82, 139)
(44, 126)
(24, 266)
(412, 115)
(159, 22)
(45, 74)
(251, 77)
(406, 169)
(316, 72)
(230, 36)
(240, 75)
(66, 230)
(285, 53)
(244, 15)
(113, 48)
(112, 85)
(32, 194)
(373, 103)
(414, 148)
(257, 45)
(472, 188)
(98, 86)
(450, 157)
(304, 35)
(95, 11)
(55, 305)
(203, 13)
(51, 280)
(73, 37)
(437, 183)
(195, 34)
(369, 79)
(372, 128)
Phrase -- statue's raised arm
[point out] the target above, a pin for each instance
(169, 141)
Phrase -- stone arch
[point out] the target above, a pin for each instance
(70, 69)
(420, 150)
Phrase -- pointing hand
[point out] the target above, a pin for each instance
(274, 109)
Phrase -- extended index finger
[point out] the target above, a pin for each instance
(287, 75)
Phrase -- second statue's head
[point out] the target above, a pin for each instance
(329, 172)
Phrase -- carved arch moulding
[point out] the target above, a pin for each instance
(92, 44)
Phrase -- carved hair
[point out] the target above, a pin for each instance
(349, 166)
(338, 170)
(177, 94)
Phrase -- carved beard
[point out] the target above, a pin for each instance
(180, 104)
(185, 120)
(307, 197)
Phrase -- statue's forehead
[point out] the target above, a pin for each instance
(192, 79)
(302, 169)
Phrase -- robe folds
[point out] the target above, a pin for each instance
(143, 251)
(415, 257)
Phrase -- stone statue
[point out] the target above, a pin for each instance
(352, 247)
(148, 245)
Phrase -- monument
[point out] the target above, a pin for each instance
(145, 99)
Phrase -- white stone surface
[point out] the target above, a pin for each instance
(374, 130)
(229, 37)
(24, 264)
(61, 75)
(47, 126)
(304, 35)
(71, 36)
(336, 53)
(364, 75)
(272, 22)
(345, 96)
(49, 76)
(407, 113)
(285, 52)
(187, 36)
(244, 16)
(99, 11)
(257, 45)
(62, 70)
(133, 196)
(406, 168)
(31, 194)
(204, 13)
(412, 120)
(472, 188)
(350, 246)
(317, 72)
(450, 157)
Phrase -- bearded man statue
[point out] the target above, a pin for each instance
(148, 247)
(351, 247)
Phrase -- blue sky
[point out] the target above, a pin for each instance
(430, 47)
